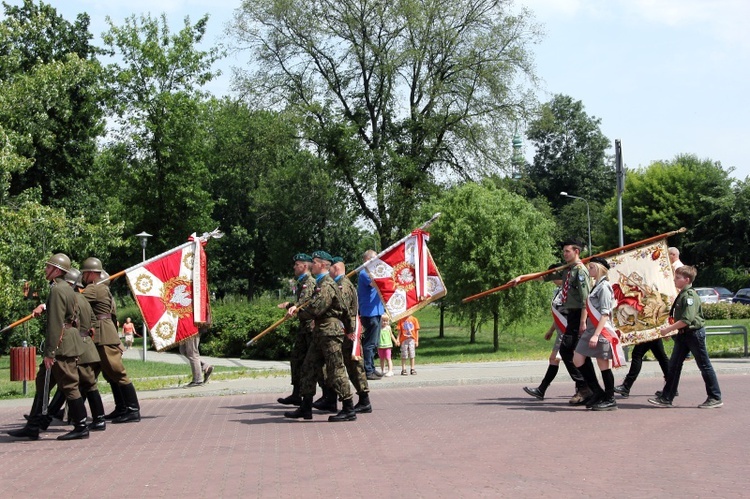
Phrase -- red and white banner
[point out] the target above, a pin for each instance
(406, 276)
(171, 290)
(357, 344)
(608, 333)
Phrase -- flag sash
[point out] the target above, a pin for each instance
(608, 333)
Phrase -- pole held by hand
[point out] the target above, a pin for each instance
(604, 254)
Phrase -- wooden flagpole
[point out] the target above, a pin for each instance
(531, 277)
(349, 274)
(17, 323)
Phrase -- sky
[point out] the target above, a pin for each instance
(665, 77)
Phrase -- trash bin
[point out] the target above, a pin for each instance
(22, 363)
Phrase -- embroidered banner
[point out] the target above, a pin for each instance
(171, 290)
(405, 276)
(643, 283)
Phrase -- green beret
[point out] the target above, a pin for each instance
(337, 259)
(302, 257)
(322, 255)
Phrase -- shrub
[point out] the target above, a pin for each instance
(235, 322)
(725, 311)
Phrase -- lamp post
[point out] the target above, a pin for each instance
(588, 213)
(143, 236)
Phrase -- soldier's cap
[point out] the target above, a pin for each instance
(302, 257)
(336, 259)
(323, 255)
(601, 261)
(571, 242)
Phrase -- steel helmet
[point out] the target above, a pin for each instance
(104, 278)
(72, 276)
(60, 261)
(92, 264)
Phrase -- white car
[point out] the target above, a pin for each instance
(708, 295)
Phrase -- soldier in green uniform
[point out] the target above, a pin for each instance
(303, 333)
(686, 316)
(62, 347)
(127, 408)
(325, 349)
(576, 285)
(355, 365)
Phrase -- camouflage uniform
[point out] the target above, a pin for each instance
(327, 339)
(303, 335)
(355, 368)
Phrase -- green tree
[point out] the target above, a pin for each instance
(395, 96)
(52, 97)
(485, 237)
(684, 192)
(159, 126)
(273, 197)
(570, 154)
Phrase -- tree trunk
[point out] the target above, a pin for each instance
(473, 329)
(441, 333)
(495, 331)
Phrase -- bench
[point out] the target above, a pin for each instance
(724, 330)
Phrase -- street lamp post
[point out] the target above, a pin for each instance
(143, 236)
(588, 213)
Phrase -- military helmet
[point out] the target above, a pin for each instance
(104, 278)
(92, 264)
(72, 276)
(60, 261)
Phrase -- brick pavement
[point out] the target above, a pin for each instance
(465, 440)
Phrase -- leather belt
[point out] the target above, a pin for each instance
(104, 316)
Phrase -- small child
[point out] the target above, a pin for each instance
(687, 317)
(408, 336)
(387, 340)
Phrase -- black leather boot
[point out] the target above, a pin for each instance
(132, 407)
(54, 407)
(363, 405)
(328, 402)
(120, 408)
(78, 414)
(98, 422)
(293, 399)
(346, 414)
(303, 411)
(30, 430)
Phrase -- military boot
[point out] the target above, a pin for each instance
(132, 407)
(293, 399)
(98, 422)
(120, 408)
(346, 414)
(303, 411)
(78, 414)
(54, 407)
(327, 402)
(30, 430)
(363, 405)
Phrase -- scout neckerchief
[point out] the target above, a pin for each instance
(566, 286)
(608, 331)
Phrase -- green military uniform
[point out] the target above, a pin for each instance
(354, 367)
(63, 342)
(579, 285)
(88, 361)
(303, 333)
(105, 333)
(688, 309)
(327, 338)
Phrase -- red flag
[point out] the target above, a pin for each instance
(172, 292)
(406, 276)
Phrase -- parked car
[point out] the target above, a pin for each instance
(708, 295)
(724, 294)
(742, 296)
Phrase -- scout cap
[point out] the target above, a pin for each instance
(302, 257)
(323, 256)
(601, 261)
(92, 264)
(60, 261)
(571, 242)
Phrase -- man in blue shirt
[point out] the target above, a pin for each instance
(370, 311)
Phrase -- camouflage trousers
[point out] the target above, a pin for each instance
(302, 341)
(355, 368)
(325, 351)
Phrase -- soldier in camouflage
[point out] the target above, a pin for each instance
(303, 333)
(325, 349)
(355, 365)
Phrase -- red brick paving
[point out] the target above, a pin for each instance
(446, 441)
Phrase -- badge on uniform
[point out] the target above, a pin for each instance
(690, 301)
(581, 277)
